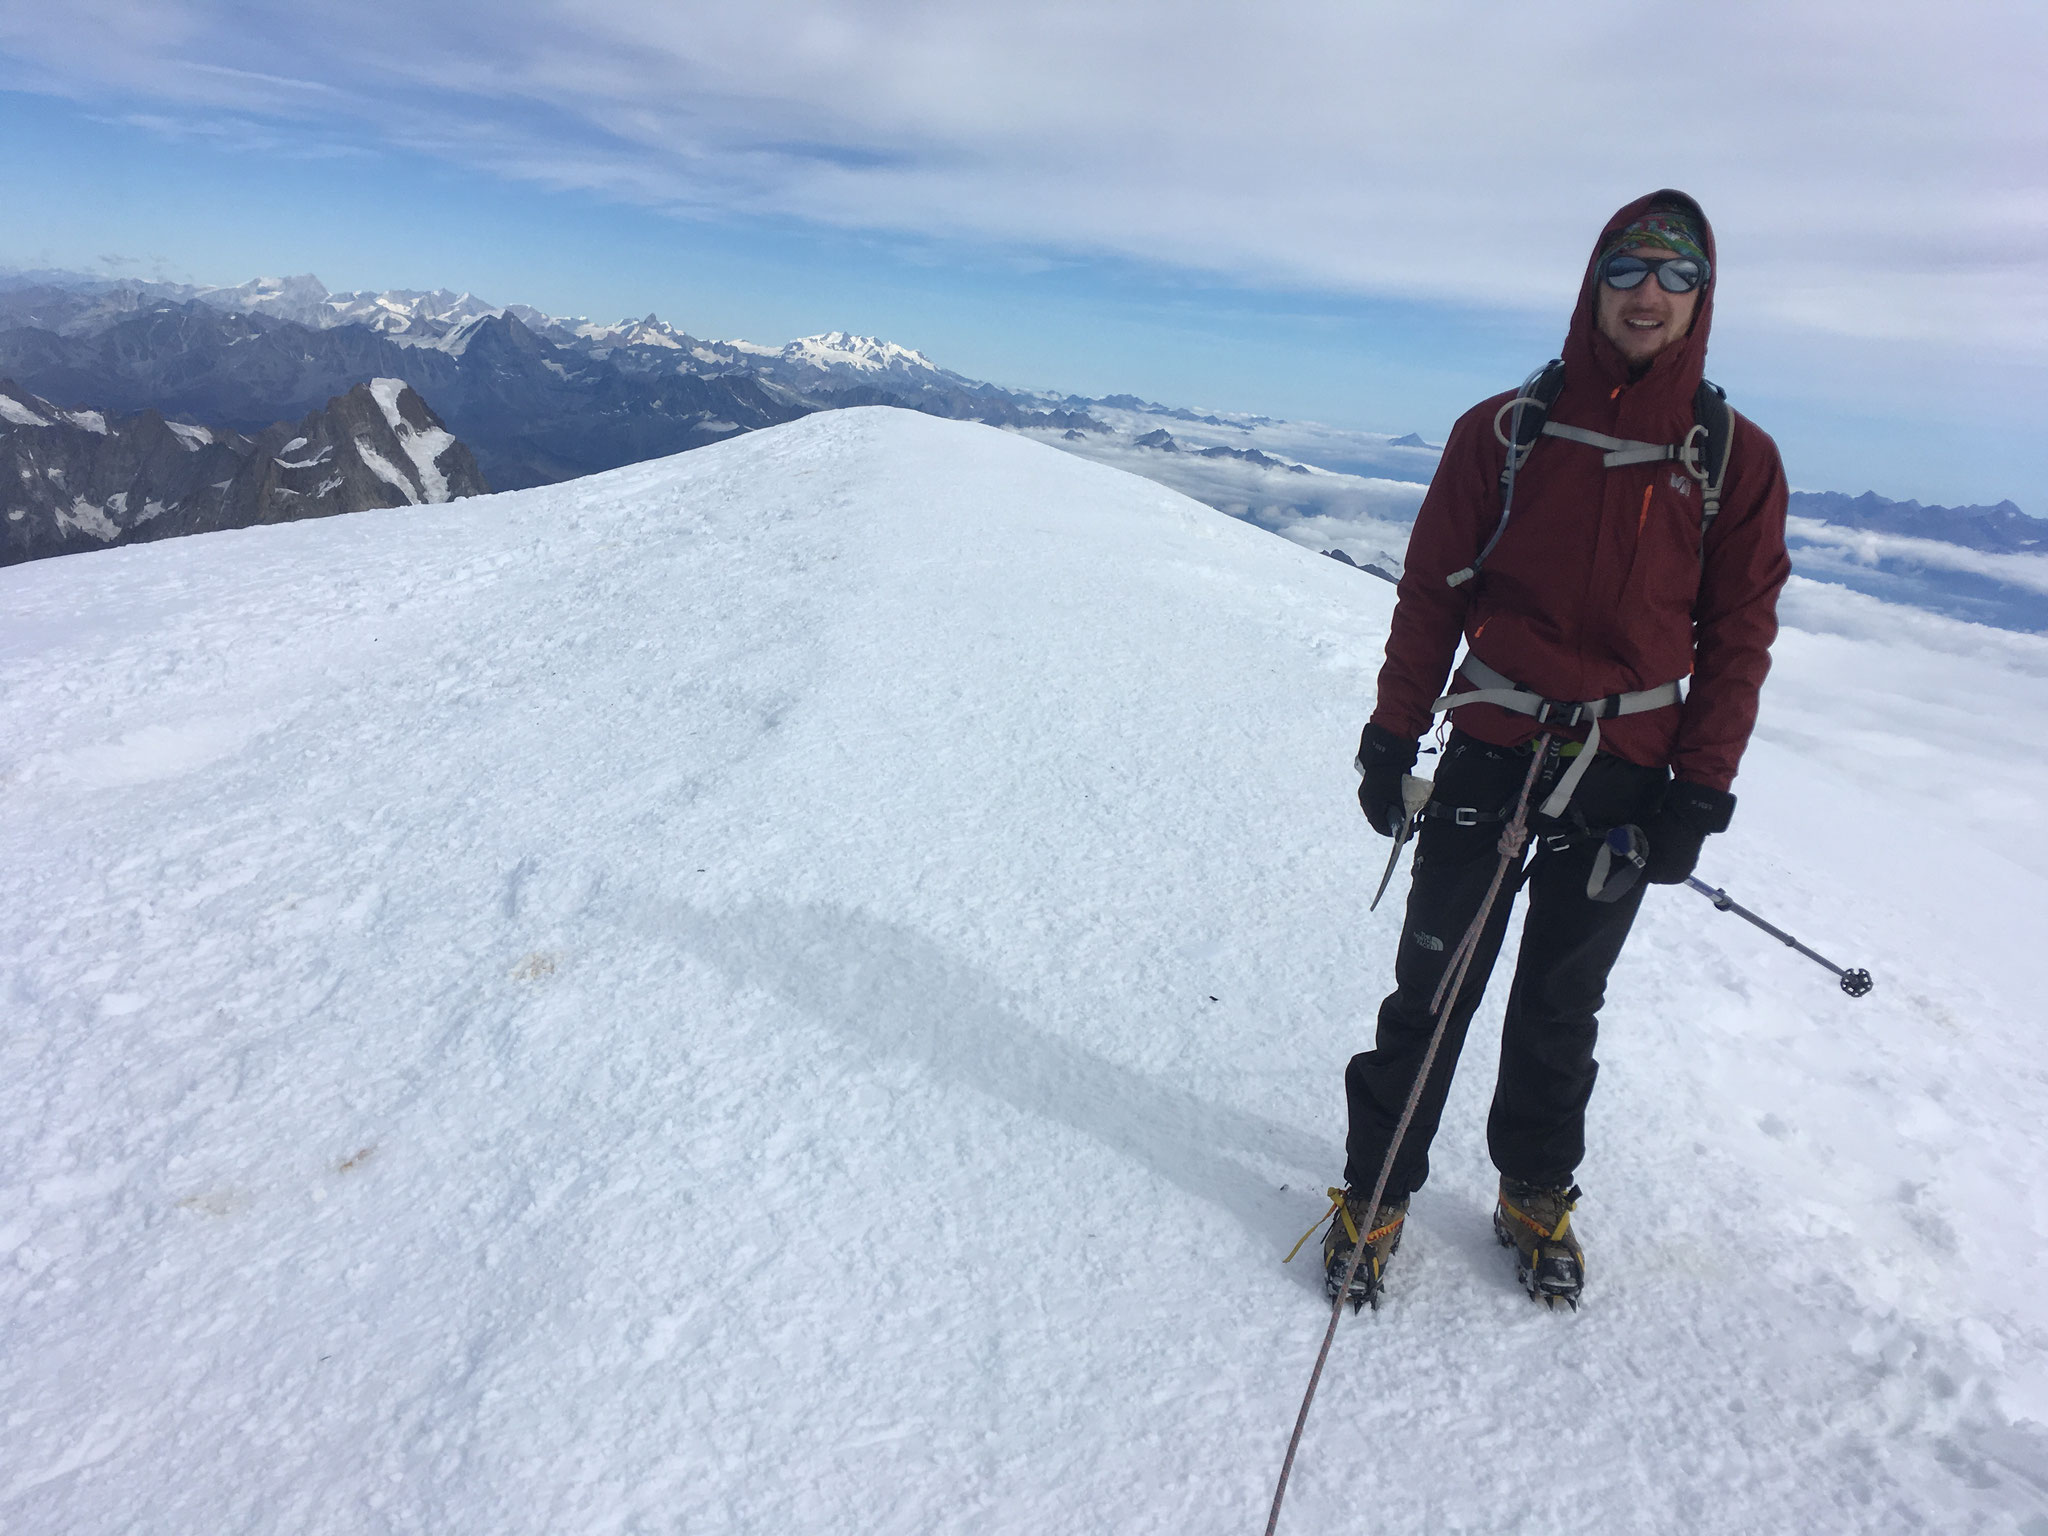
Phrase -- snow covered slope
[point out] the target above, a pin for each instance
(802, 987)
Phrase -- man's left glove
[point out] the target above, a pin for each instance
(1681, 824)
(1383, 759)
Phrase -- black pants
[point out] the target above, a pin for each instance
(1537, 1128)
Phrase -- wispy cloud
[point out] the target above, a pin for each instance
(1873, 170)
(240, 133)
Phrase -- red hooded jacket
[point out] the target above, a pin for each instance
(1598, 586)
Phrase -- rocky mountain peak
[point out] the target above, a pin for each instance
(76, 480)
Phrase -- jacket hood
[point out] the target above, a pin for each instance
(1676, 371)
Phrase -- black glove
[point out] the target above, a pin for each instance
(1681, 824)
(1383, 758)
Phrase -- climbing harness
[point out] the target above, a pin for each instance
(1499, 689)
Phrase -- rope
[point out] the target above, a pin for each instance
(1512, 839)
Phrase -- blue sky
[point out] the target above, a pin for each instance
(1316, 216)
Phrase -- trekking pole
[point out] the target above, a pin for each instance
(1512, 839)
(1855, 983)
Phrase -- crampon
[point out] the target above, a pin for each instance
(1537, 1223)
(1382, 1237)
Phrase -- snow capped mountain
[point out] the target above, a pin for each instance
(651, 331)
(839, 350)
(439, 317)
(305, 300)
(404, 313)
(803, 987)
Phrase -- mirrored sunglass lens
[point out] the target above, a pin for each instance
(1626, 271)
(1680, 276)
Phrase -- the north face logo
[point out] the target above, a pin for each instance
(1428, 940)
(1680, 484)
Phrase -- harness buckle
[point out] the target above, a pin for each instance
(1559, 712)
(1465, 816)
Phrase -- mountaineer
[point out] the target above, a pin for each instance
(1637, 539)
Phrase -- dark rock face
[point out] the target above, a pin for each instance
(376, 446)
(1254, 456)
(78, 480)
(1370, 568)
(75, 480)
(1176, 413)
(1165, 442)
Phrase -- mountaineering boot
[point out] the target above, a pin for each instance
(1382, 1236)
(1536, 1221)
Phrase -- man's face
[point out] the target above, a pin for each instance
(1642, 321)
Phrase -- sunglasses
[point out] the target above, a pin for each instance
(1675, 274)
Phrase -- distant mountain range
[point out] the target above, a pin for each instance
(539, 398)
(2003, 529)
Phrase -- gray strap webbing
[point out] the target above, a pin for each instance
(1502, 690)
(1619, 450)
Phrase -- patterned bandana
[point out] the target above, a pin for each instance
(1669, 227)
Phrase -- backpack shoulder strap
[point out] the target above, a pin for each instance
(1524, 415)
(1706, 450)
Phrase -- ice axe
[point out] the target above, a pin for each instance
(1855, 983)
(1414, 796)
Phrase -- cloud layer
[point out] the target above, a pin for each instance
(1872, 168)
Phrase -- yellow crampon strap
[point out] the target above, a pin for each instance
(1336, 1206)
(1563, 1222)
(1340, 1208)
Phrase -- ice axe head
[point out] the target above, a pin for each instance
(1414, 794)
